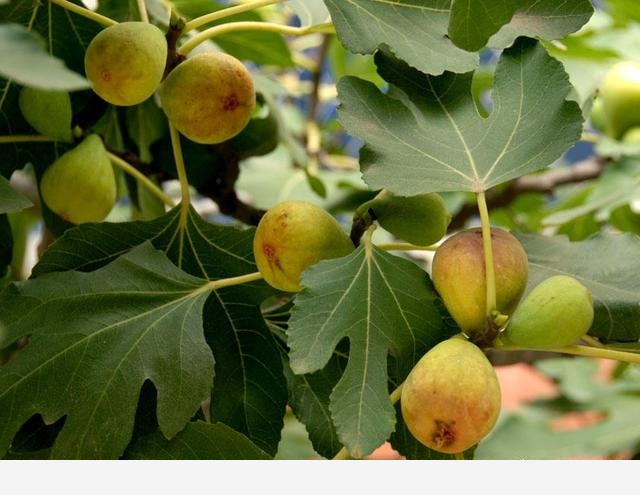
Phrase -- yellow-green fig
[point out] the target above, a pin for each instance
(209, 97)
(292, 236)
(422, 219)
(556, 313)
(80, 185)
(597, 116)
(620, 93)
(48, 112)
(632, 136)
(451, 398)
(458, 273)
(125, 62)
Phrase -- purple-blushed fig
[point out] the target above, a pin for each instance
(556, 313)
(209, 97)
(451, 398)
(80, 185)
(125, 62)
(292, 236)
(458, 273)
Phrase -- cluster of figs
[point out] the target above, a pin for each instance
(209, 98)
(451, 398)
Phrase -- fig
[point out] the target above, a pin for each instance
(48, 112)
(597, 116)
(556, 313)
(458, 273)
(125, 62)
(451, 398)
(292, 236)
(632, 135)
(620, 93)
(80, 185)
(422, 219)
(209, 97)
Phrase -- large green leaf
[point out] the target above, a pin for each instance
(6, 246)
(250, 391)
(94, 339)
(414, 30)
(434, 139)
(10, 199)
(382, 304)
(310, 12)
(23, 59)
(473, 22)
(607, 265)
(198, 441)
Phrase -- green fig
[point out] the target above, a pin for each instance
(556, 313)
(620, 93)
(458, 273)
(451, 398)
(125, 62)
(209, 97)
(48, 112)
(80, 185)
(421, 219)
(292, 236)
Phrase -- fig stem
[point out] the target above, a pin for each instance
(142, 9)
(26, 138)
(231, 27)
(591, 341)
(490, 272)
(580, 350)
(394, 397)
(590, 137)
(221, 14)
(231, 281)
(185, 194)
(143, 179)
(89, 14)
(401, 246)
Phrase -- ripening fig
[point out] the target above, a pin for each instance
(620, 93)
(125, 62)
(632, 136)
(597, 117)
(209, 97)
(422, 219)
(48, 112)
(451, 398)
(556, 313)
(292, 236)
(80, 185)
(458, 273)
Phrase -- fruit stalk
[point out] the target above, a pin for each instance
(221, 14)
(140, 177)
(89, 14)
(231, 27)
(580, 350)
(488, 253)
(142, 8)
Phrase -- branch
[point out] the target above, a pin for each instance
(545, 183)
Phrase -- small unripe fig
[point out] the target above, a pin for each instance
(80, 185)
(422, 219)
(451, 398)
(620, 93)
(556, 313)
(458, 273)
(48, 112)
(292, 236)
(209, 97)
(125, 62)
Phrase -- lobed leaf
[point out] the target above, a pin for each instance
(433, 138)
(94, 339)
(10, 199)
(381, 303)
